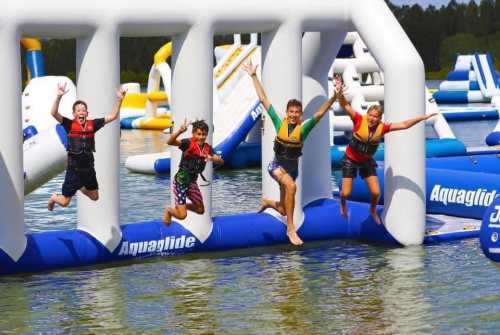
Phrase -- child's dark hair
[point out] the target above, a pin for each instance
(200, 124)
(79, 102)
(294, 103)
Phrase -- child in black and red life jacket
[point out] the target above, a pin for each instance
(195, 154)
(80, 172)
(291, 131)
(368, 130)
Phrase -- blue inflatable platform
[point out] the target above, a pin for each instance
(74, 248)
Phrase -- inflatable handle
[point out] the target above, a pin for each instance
(29, 132)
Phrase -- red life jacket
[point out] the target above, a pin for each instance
(80, 139)
(193, 159)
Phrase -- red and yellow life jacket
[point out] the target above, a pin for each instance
(194, 158)
(288, 146)
(81, 139)
(364, 142)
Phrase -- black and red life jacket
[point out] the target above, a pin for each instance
(81, 139)
(194, 158)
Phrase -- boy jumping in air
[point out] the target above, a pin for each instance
(367, 132)
(195, 154)
(291, 134)
(80, 172)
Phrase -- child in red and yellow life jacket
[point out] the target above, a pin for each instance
(80, 172)
(368, 130)
(288, 143)
(195, 154)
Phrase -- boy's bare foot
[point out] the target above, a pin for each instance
(51, 203)
(343, 209)
(167, 218)
(294, 238)
(374, 215)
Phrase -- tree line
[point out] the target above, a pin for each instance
(440, 33)
(437, 33)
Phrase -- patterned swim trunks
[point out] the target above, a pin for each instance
(183, 190)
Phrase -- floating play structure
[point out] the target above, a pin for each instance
(473, 80)
(142, 110)
(44, 140)
(236, 108)
(292, 66)
(360, 73)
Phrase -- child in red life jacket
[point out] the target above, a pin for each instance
(195, 154)
(80, 172)
(368, 131)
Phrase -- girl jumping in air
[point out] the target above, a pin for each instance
(367, 132)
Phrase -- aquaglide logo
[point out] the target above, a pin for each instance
(469, 198)
(156, 246)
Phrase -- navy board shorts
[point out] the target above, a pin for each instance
(75, 179)
(290, 166)
(366, 169)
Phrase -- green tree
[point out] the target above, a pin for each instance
(472, 18)
(497, 15)
(486, 17)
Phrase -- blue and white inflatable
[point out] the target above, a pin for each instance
(493, 139)
(44, 140)
(473, 79)
(293, 65)
(490, 231)
(449, 192)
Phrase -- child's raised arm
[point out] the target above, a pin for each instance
(259, 89)
(61, 90)
(325, 106)
(410, 122)
(344, 103)
(120, 94)
(172, 140)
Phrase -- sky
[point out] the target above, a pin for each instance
(425, 3)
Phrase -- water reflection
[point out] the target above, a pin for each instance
(402, 291)
(15, 308)
(191, 293)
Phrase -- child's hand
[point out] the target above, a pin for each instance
(338, 82)
(249, 68)
(61, 90)
(121, 92)
(213, 158)
(184, 126)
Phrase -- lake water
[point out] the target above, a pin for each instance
(335, 287)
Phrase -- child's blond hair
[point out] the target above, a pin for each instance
(377, 108)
